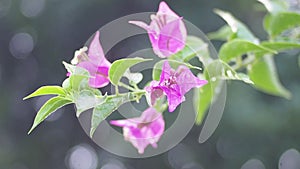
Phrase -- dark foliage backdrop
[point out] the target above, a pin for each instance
(37, 35)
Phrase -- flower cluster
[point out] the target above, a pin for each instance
(94, 61)
(242, 57)
(167, 34)
(166, 31)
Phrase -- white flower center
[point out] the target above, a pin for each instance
(80, 55)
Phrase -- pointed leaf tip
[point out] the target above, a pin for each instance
(47, 109)
(47, 90)
(119, 67)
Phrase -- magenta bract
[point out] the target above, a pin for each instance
(94, 62)
(174, 84)
(166, 31)
(144, 130)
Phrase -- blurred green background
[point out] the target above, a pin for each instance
(37, 35)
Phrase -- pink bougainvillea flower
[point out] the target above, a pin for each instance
(166, 31)
(174, 84)
(94, 62)
(144, 130)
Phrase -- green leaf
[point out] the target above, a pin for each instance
(134, 78)
(202, 100)
(84, 96)
(277, 23)
(157, 68)
(109, 105)
(119, 67)
(264, 75)
(48, 108)
(241, 30)
(47, 90)
(66, 84)
(78, 79)
(238, 47)
(215, 72)
(281, 46)
(224, 34)
(194, 47)
(70, 68)
(274, 6)
(221, 70)
(86, 99)
(267, 22)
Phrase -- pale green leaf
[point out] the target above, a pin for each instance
(274, 6)
(224, 34)
(215, 72)
(70, 68)
(238, 47)
(221, 70)
(79, 79)
(241, 30)
(86, 99)
(267, 22)
(264, 75)
(194, 47)
(134, 78)
(84, 96)
(281, 46)
(202, 100)
(66, 84)
(109, 105)
(119, 67)
(277, 23)
(48, 108)
(47, 90)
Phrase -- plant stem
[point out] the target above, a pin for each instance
(127, 87)
(136, 87)
(117, 90)
(244, 63)
(189, 57)
(239, 61)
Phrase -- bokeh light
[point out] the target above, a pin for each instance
(192, 166)
(19, 166)
(294, 5)
(21, 44)
(37, 35)
(82, 157)
(32, 8)
(253, 164)
(113, 164)
(4, 7)
(290, 159)
(180, 156)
